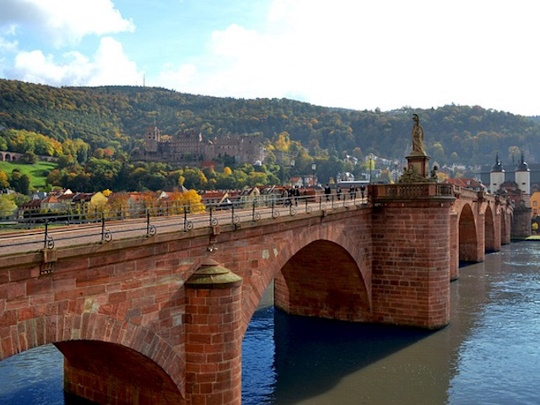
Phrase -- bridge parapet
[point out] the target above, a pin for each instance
(410, 191)
(463, 192)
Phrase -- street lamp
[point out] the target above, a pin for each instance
(370, 156)
(313, 168)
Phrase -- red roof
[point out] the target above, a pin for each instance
(465, 182)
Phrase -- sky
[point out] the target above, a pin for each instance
(357, 54)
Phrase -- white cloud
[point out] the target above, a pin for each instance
(7, 46)
(383, 54)
(109, 66)
(65, 22)
(177, 78)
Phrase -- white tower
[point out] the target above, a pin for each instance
(523, 176)
(496, 175)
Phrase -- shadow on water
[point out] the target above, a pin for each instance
(324, 351)
(289, 359)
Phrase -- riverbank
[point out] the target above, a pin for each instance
(533, 238)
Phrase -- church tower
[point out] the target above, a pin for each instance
(496, 175)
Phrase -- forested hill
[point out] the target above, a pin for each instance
(117, 116)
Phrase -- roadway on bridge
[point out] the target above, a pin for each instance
(56, 236)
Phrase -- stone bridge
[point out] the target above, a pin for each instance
(161, 319)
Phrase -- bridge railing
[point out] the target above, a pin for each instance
(48, 231)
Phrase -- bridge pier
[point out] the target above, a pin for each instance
(213, 336)
(411, 255)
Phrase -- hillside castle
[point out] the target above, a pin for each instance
(189, 146)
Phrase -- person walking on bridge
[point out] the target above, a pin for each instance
(327, 192)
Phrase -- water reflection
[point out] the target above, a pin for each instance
(499, 360)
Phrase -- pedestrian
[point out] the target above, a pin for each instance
(338, 192)
(363, 190)
(351, 192)
(296, 195)
(289, 196)
(327, 192)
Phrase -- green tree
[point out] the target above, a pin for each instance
(28, 158)
(194, 178)
(257, 179)
(19, 182)
(438, 152)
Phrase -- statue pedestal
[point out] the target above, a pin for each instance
(418, 163)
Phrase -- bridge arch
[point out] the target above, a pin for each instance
(307, 285)
(135, 358)
(297, 257)
(489, 231)
(506, 220)
(468, 238)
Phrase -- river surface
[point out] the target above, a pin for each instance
(489, 354)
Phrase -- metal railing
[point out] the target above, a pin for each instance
(65, 229)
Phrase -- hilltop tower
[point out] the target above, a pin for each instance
(152, 139)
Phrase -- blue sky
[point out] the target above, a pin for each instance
(342, 53)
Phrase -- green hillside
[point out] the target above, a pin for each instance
(37, 172)
(118, 116)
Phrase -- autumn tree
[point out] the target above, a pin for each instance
(283, 142)
(7, 205)
(4, 183)
(191, 199)
(117, 205)
(173, 204)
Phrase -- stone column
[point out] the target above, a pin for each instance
(213, 336)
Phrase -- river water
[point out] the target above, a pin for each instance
(489, 354)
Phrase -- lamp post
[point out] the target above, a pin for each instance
(370, 157)
(313, 169)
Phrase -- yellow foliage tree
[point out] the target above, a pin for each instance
(283, 142)
(192, 200)
(173, 205)
(441, 176)
(4, 183)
